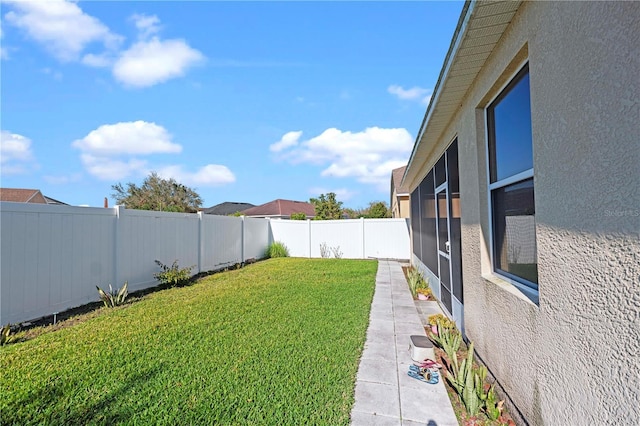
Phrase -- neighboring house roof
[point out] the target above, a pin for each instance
(283, 208)
(54, 201)
(20, 195)
(227, 208)
(480, 28)
(396, 181)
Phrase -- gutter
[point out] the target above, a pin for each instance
(458, 35)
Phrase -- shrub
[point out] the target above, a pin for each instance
(277, 249)
(173, 276)
(441, 320)
(336, 252)
(114, 298)
(298, 216)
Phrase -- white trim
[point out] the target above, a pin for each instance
(511, 179)
(531, 292)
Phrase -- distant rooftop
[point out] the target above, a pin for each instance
(396, 177)
(227, 208)
(281, 208)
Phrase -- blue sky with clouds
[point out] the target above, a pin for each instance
(243, 101)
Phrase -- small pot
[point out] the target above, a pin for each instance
(434, 329)
(422, 297)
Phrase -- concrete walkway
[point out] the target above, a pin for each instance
(385, 394)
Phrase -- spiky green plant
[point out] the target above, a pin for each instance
(276, 249)
(415, 280)
(463, 381)
(5, 335)
(493, 408)
(448, 339)
(114, 298)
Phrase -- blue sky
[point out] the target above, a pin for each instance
(243, 101)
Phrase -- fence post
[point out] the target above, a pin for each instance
(116, 247)
(309, 235)
(242, 240)
(363, 242)
(200, 241)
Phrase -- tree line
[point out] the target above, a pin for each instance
(168, 195)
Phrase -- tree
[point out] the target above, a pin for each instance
(298, 216)
(157, 194)
(327, 207)
(378, 209)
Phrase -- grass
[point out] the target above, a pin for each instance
(277, 342)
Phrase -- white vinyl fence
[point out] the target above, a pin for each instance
(52, 257)
(354, 239)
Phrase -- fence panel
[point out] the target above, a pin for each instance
(52, 258)
(256, 237)
(222, 242)
(144, 236)
(342, 235)
(387, 238)
(294, 234)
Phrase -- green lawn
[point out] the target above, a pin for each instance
(277, 342)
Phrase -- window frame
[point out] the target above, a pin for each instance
(521, 283)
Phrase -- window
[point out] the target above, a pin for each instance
(511, 182)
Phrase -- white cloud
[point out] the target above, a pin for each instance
(369, 156)
(288, 140)
(209, 175)
(4, 53)
(57, 75)
(114, 152)
(62, 179)
(107, 168)
(146, 25)
(154, 61)
(134, 137)
(414, 94)
(102, 60)
(60, 26)
(342, 194)
(16, 156)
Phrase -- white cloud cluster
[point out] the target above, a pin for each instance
(114, 152)
(369, 156)
(154, 61)
(342, 194)
(16, 156)
(209, 175)
(60, 26)
(413, 94)
(67, 32)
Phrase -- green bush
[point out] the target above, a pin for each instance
(173, 276)
(298, 216)
(277, 249)
(114, 298)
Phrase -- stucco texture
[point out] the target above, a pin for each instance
(570, 354)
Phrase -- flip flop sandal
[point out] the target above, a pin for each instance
(431, 377)
(422, 370)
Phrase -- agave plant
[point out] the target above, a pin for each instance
(5, 335)
(114, 298)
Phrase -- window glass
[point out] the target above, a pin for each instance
(515, 250)
(510, 138)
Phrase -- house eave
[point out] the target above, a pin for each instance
(479, 30)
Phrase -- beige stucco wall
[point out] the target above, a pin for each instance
(400, 206)
(573, 358)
